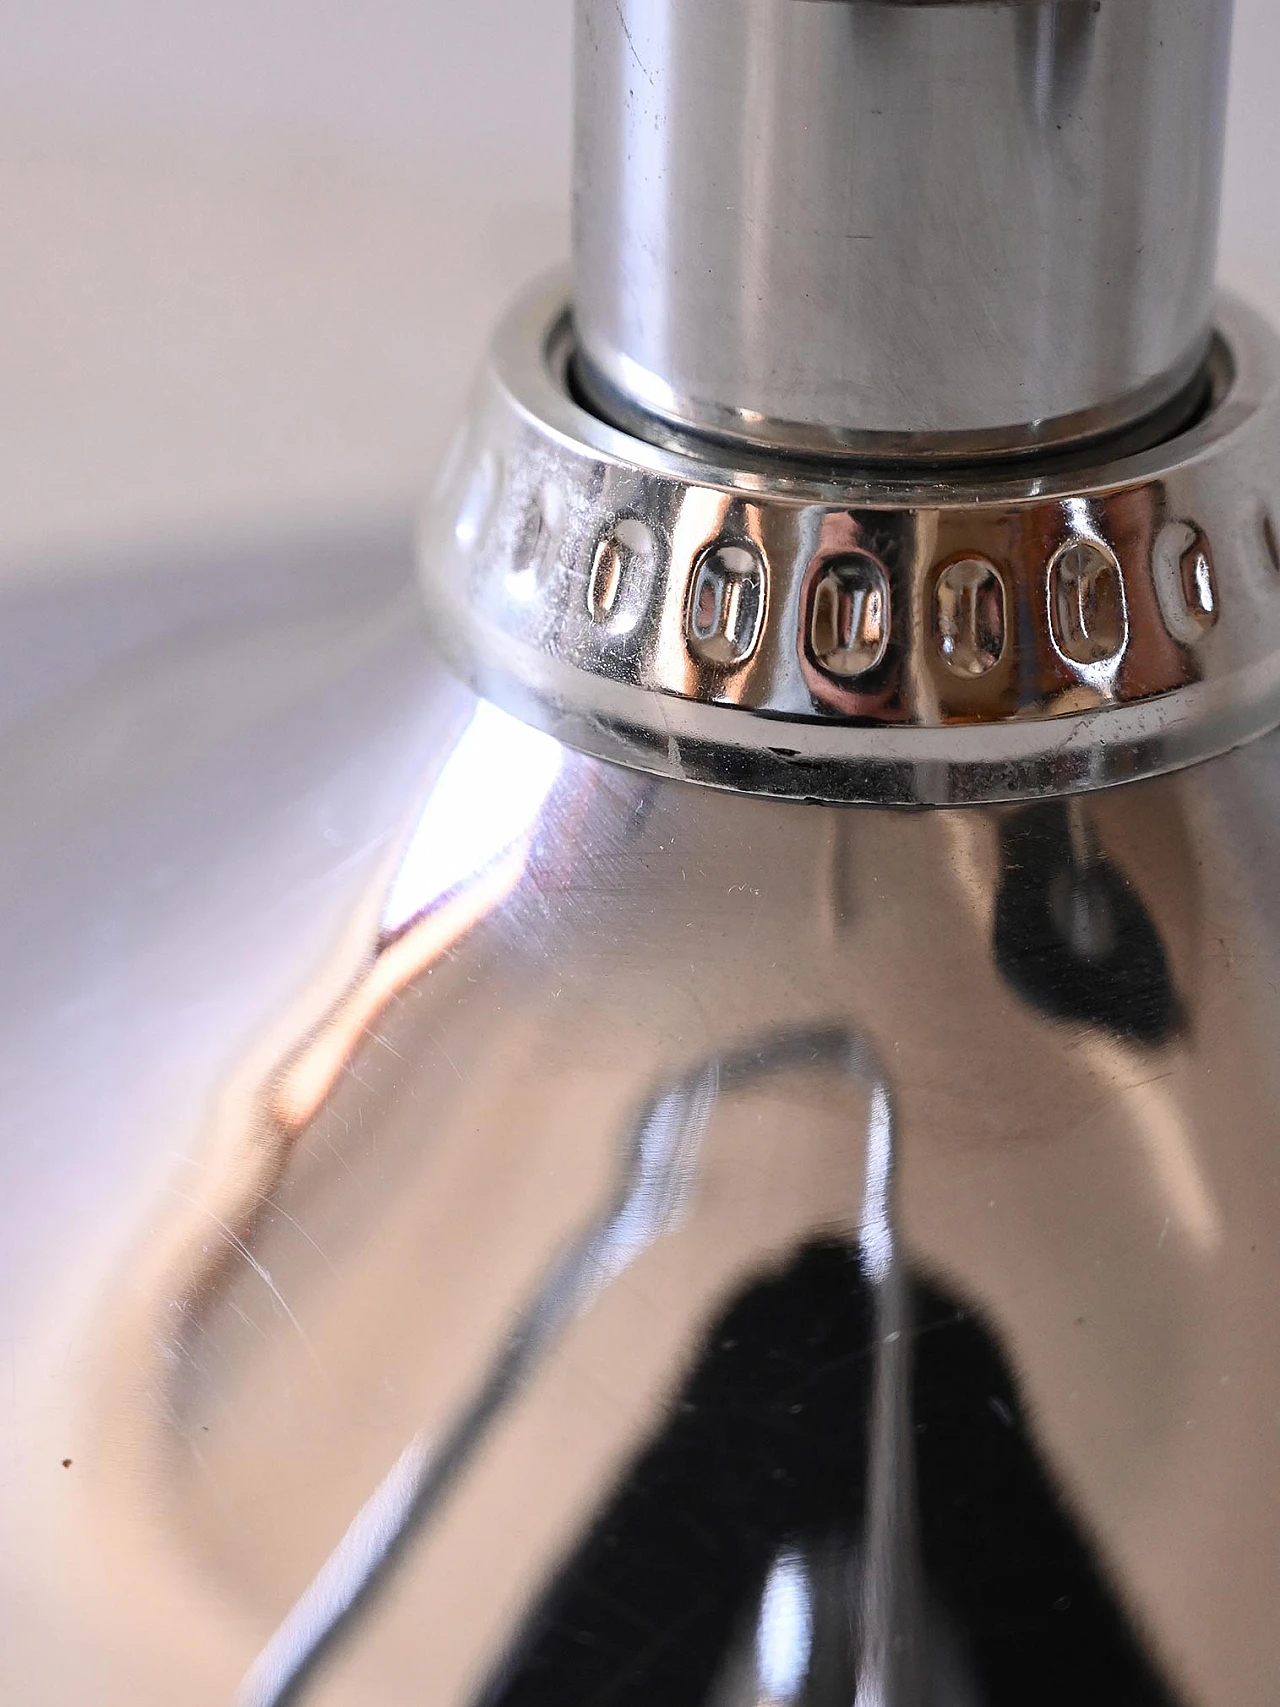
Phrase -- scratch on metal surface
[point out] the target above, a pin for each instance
(258, 1268)
(635, 52)
(1166, 1139)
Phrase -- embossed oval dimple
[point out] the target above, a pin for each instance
(726, 603)
(1182, 569)
(622, 571)
(744, 684)
(969, 622)
(847, 631)
(537, 538)
(1087, 609)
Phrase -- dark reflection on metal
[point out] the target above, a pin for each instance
(1002, 1552)
(753, 1557)
(765, 1452)
(661, 1159)
(846, 1506)
(1071, 936)
(730, 1568)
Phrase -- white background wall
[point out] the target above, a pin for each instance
(252, 248)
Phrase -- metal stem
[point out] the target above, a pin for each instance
(897, 227)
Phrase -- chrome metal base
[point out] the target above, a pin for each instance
(486, 1226)
(801, 632)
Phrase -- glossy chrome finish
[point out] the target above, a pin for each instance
(758, 625)
(886, 228)
(486, 1226)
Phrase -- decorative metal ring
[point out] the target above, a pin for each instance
(811, 633)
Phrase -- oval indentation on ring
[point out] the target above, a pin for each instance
(726, 603)
(847, 632)
(1087, 611)
(622, 571)
(537, 539)
(1182, 568)
(969, 623)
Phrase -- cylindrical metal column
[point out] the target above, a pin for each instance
(896, 227)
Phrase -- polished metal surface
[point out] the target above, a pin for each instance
(754, 624)
(484, 1225)
(885, 228)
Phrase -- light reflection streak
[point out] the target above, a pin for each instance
(784, 1636)
(889, 1661)
(340, 1579)
(305, 1082)
(312, 1074)
(467, 855)
(485, 803)
(876, 1233)
(660, 1165)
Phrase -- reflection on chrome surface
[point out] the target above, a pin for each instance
(659, 1176)
(485, 802)
(625, 1242)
